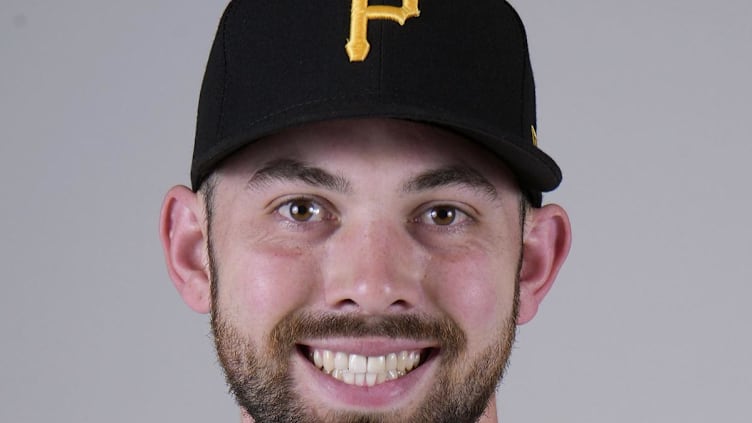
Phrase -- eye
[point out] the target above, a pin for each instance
(443, 216)
(301, 210)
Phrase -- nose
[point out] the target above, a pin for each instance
(373, 268)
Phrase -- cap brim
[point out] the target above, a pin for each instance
(534, 169)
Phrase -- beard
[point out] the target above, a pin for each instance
(258, 375)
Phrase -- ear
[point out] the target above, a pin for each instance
(546, 240)
(183, 237)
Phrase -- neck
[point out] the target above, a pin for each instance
(489, 416)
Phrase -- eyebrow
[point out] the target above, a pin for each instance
(294, 170)
(449, 176)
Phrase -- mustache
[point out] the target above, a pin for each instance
(297, 326)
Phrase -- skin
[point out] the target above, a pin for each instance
(374, 250)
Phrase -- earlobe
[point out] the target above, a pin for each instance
(546, 242)
(184, 243)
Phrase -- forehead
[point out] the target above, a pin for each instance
(358, 146)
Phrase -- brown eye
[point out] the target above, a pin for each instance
(301, 210)
(443, 216)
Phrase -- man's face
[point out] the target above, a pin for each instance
(364, 270)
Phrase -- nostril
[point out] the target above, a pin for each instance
(347, 304)
(400, 304)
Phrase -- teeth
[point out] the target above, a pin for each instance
(318, 359)
(415, 357)
(357, 364)
(328, 359)
(356, 369)
(380, 378)
(402, 361)
(376, 364)
(349, 378)
(340, 361)
(391, 362)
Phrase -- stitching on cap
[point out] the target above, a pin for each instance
(381, 57)
(225, 71)
(396, 97)
(526, 65)
(527, 69)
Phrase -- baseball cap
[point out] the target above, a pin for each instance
(463, 66)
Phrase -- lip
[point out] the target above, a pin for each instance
(330, 392)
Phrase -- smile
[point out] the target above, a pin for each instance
(361, 370)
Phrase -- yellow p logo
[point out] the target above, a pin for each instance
(357, 46)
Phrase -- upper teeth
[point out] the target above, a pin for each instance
(356, 369)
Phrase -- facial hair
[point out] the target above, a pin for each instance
(259, 377)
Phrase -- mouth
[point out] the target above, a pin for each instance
(366, 370)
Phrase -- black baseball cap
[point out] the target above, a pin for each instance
(463, 66)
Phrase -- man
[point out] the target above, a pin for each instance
(365, 223)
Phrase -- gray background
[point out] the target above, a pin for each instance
(644, 104)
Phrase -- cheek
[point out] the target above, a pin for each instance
(262, 284)
(476, 289)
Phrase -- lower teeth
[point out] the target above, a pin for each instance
(364, 379)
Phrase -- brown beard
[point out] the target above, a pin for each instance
(263, 387)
